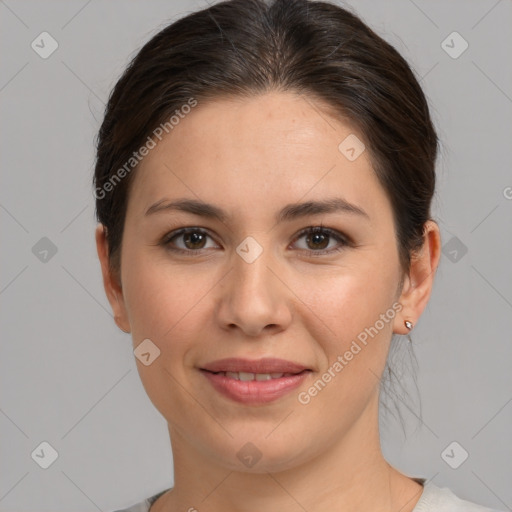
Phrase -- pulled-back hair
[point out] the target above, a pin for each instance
(248, 47)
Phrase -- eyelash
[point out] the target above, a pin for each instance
(343, 240)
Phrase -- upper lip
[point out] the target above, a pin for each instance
(264, 365)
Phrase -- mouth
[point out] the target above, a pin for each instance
(254, 382)
(266, 365)
(248, 376)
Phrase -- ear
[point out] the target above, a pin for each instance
(111, 282)
(420, 280)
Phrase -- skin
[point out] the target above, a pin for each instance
(251, 157)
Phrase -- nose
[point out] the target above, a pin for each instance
(254, 299)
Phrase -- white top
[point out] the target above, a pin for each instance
(433, 499)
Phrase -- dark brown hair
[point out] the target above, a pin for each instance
(248, 47)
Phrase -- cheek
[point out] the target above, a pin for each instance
(342, 313)
(347, 300)
(160, 298)
(344, 318)
(166, 306)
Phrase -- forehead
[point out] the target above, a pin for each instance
(268, 149)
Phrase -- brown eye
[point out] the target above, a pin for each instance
(318, 239)
(187, 240)
(194, 240)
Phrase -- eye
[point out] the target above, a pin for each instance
(319, 238)
(193, 240)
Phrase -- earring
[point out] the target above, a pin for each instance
(408, 324)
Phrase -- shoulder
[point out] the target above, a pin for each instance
(143, 506)
(442, 499)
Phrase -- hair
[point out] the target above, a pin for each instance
(242, 48)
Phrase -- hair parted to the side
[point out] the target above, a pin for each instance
(249, 47)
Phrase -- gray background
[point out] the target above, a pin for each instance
(68, 374)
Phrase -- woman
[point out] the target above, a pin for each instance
(263, 181)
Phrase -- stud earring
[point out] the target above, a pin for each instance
(408, 324)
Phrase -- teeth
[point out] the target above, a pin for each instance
(263, 376)
(246, 376)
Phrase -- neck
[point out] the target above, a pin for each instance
(350, 475)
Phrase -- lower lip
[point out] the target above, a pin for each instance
(255, 391)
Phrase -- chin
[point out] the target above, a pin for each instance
(256, 454)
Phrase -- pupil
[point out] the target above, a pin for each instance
(319, 238)
(194, 238)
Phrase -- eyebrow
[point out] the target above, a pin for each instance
(288, 213)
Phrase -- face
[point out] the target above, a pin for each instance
(266, 280)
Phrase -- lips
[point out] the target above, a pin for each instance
(267, 365)
(255, 382)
